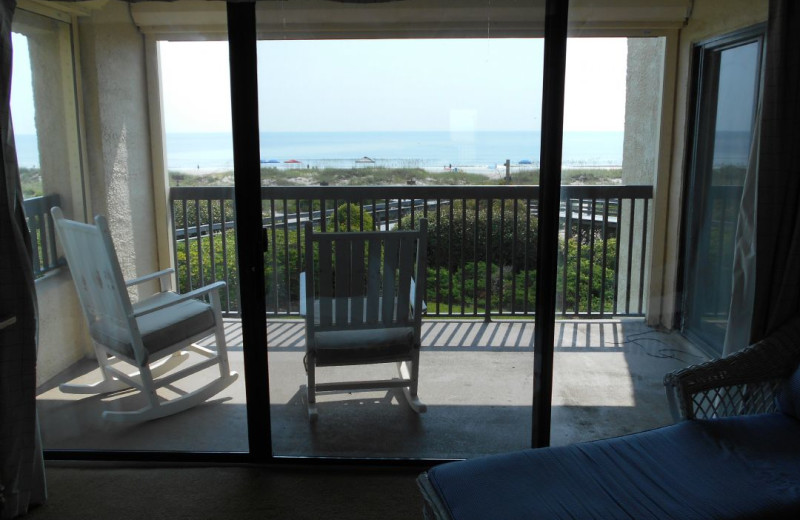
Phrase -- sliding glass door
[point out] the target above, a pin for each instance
(728, 75)
(373, 124)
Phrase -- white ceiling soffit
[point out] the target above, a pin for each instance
(321, 19)
(67, 9)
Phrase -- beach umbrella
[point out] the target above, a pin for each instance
(365, 160)
(273, 161)
(525, 161)
(292, 161)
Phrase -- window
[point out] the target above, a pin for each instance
(727, 82)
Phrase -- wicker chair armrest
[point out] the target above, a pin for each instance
(732, 385)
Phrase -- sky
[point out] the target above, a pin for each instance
(21, 91)
(396, 85)
(380, 85)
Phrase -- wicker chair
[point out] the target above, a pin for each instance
(744, 383)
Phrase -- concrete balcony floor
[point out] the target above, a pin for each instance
(475, 377)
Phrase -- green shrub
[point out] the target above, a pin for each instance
(465, 235)
(601, 290)
(229, 296)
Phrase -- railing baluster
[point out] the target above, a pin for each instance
(437, 260)
(475, 227)
(299, 266)
(578, 255)
(528, 237)
(500, 260)
(515, 206)
(287, 284)
(386, 209)
(630, 257)
(186, 246)
(489, 256)
(273, 253)
(323, 214)
(174, 238)
(212, 251)
(591, 258)
(567, 237)
(618, 235)
(404, 202)
(225, 271)
(604, 234)
(450, 260)
(643, 258)
(463, 253)
(199, 240)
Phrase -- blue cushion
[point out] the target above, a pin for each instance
(789, 396)
(731, 468)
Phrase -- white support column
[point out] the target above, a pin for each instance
(661, 296)
(158, 153)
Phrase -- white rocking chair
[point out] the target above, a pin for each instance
(362, 295)
(150, 335)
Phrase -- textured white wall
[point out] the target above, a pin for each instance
(63, 339)
(117, 134)
(644, 79)
(117, 172)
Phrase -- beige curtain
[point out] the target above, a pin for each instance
(740, 314)
(21, 467)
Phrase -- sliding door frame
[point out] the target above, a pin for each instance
(242, 48)
(705, 89)
(241, 19)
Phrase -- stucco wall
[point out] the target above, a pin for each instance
(117, 134)
(63, 339)
(644, 78)
(709, 18)
(117, 171)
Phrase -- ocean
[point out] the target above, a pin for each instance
(390, 149)
(490, 150)
(396, 149)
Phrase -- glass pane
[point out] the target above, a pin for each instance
(44, 128)
(373, 122)
(128, 105)
(609, 364)
(725, 128)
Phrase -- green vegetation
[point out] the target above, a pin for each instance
(31, 180)
(370, 176)
(455, 284)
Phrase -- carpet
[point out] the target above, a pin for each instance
(88, 492)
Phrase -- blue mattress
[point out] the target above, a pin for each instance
(733, 468)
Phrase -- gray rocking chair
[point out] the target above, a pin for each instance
(151, 335)
(362, 294)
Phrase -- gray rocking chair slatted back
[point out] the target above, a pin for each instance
(101, 287)
(364, 280)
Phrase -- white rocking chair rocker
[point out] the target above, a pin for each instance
(363, 305)
(150, 335)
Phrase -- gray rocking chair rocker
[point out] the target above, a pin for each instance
(151, 336)
(365, 292)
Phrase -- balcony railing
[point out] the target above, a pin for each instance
(43, 235)
(482, 243)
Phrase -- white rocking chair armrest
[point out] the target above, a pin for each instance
(191, 295)
(148, 277)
